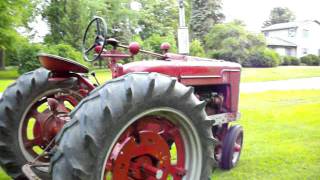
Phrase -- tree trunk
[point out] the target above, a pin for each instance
(2, 63)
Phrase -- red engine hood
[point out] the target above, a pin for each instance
(192, 71)
(190, 66)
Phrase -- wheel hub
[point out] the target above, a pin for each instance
(50, 121)
(144, 152)
(44, 120)
(150, 155)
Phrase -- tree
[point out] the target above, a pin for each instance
(158, 17)
(154, 41)
(279, 15)
(68, 19)
(232, 42)
(196, 48)
(204, 14)
(13, 15)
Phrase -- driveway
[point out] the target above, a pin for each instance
(291, 84)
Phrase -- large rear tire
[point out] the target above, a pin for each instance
(111, 114)
(16, 128)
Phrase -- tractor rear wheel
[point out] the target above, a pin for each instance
(139, 126)
(27, 124)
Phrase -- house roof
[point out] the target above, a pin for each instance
(275, 41)
(287, 25)
(281, 26)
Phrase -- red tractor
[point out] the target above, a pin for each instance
(158, 119)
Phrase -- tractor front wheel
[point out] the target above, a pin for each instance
(140, 126)
(231, 147)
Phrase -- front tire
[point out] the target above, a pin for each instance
(231, 147)
(130, 112)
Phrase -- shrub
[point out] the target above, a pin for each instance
(196, 49)
(232, 42)
(310, 60)
(64, 50)
(12, 53)
(262, 58)
(27, 57)
(229, 55)
(295, 61)
(11, 57)
(290, 60)
(28, 60)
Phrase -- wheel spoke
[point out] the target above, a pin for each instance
(173, 131)
(177, 172)
(88, 50)
(39, 116)
(57, 105)
(98, 27)
(108, 166)
(34, 142)
(34, 113)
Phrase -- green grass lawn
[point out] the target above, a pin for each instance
(248, 74)
(4, 83)
(102, 75)
(3, 175)
(256, 74)
(9, 76)
(281, 128)
(9, 73)
(279, 73)
(282, 137)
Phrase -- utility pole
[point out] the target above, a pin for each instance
(183, 32)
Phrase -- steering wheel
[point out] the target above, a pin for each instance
(96, 36)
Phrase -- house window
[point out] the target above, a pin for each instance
(288, 52)
(292, 32)
(266, 33)
(304, 51)
(305, 33)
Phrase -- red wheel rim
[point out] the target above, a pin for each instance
(151, 148)
(40, 124)
(237, 149)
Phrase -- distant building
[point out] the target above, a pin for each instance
(294, 38)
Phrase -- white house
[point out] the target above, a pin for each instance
(294, 38)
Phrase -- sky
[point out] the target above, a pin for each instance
(252, 12)
(255, 12)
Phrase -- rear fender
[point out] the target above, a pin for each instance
(59, 64)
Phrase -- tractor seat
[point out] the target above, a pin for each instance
(59, 64)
